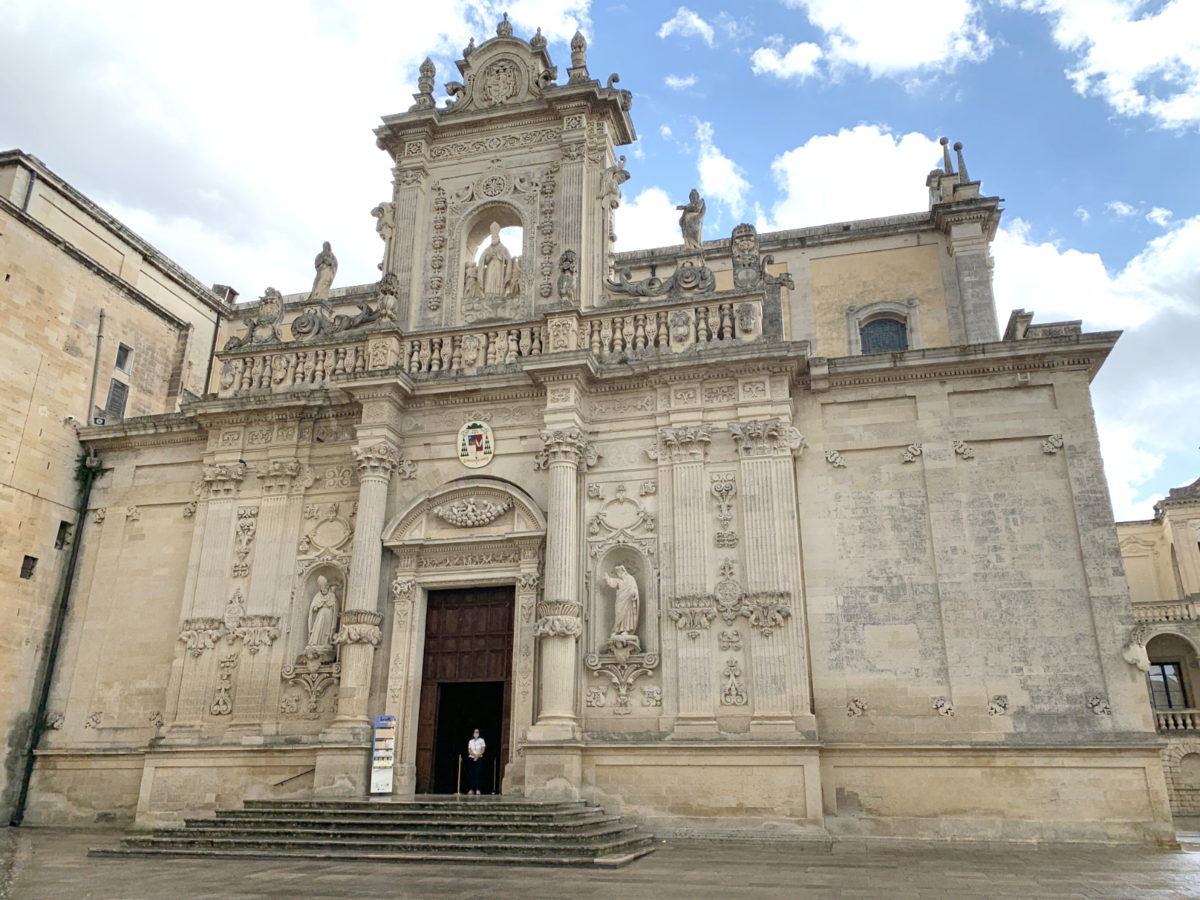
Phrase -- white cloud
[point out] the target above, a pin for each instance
(678, 83)
(1120, 208)
(1139, 62)
(1159, 216)
(205, 164)
(687, 23)
(889, 38)
(799, 62)
(889, 177)
(1146, 394)
(720, 177)
(735, 30)
(665, 133)
(648, 220)
(1084, 215)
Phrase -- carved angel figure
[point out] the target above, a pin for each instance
(691, 222)
(610, 184)
(385, 220)
(472, 289)
(322, 617)
(625, 602)
(326, 266)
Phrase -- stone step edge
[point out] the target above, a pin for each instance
(203, 831)
(298, 843)
(482, 802)
(439, 858)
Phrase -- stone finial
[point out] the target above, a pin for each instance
(947, 168)
(538, 42)
(425, 81)
(578, 50)
(504, 28)
(469, 49)
(963, 178)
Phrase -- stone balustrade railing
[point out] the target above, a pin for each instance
(634, 331)
(1181, 611)
(1172, 720)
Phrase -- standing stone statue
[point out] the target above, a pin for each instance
(326, 265)
(494, 265)
(625, 603)
(322, 617)
(691, 222)
(472, 289)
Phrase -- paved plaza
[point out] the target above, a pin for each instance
(53, 863)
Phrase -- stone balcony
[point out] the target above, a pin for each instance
(617, 334)
(1177, 611)
(1174, 721)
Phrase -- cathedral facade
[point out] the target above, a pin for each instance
(765, 534)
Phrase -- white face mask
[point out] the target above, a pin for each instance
(477, 734)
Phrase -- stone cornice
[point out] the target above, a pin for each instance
(1085, 351)
(144, 431)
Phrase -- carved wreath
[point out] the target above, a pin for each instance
(472, 512)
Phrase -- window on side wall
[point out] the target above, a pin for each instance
(124, 357)
(1166, 685)
(118, 394)
(884, 335)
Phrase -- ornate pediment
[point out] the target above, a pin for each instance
(502, 71)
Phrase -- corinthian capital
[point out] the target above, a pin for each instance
(378, 459)
(565, 444)
(224, 480)
(766, 437)
(559, 618)
(688, 443)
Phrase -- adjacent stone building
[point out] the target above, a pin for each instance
(1162, 565)
(96, 324)
(768, 534)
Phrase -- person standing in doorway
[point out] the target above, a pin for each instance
(475, 748)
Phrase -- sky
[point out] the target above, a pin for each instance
(236, 137)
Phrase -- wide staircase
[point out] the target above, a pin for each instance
(445, 829)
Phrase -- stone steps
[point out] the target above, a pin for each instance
(425, 829)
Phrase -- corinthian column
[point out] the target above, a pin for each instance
(358, 631)
(560, 614)
(773, 601)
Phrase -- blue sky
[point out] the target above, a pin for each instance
(236, 137)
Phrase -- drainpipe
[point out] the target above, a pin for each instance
(90, 472)
(29, 191)
(95, 372)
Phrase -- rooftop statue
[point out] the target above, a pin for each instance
(326, 266)
(691, 222)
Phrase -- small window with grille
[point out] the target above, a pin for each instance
(124, 357)
(885, 335)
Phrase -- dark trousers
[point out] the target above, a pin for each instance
(475, 773)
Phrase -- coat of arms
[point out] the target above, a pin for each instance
(475, 445)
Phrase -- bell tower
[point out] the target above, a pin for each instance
(510, 151)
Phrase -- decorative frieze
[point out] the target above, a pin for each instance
(472, 512)
(766, 437)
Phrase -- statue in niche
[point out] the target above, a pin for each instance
(472, 288)
(322, 619)
(326, 266)
(691, 222)
(495, 265)
(625, 609)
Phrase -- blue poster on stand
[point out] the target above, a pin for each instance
(383, 754)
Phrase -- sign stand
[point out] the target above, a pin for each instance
(383, 754)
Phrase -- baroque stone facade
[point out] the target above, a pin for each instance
(795, 540)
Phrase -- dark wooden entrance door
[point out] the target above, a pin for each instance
(467, 673)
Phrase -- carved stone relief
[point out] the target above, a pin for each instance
(222, 704)
(472, 512)
(692, 613)
(1052, 444)
(998, 705)
(963, 450)
(247, 527)
(835, 459)
(942, 706)
(856, 707)
(313, 679)
(724, 486)
(766, 437)
(911, 452)
(733, 692)
(623, 670)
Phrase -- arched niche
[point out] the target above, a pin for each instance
(306, 591)
(602, 596)
(492, 274)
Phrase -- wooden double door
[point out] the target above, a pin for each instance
(466, 683)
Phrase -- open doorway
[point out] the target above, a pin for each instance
(462, 707)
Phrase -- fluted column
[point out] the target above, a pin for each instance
(773, 602)
(686, 449)
(358, 631)
(560, 614)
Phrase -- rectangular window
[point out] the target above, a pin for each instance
(124, 357)
(64, 535)
(118, 393)
(27, 566)
(1166, 686)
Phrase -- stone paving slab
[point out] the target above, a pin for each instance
(53, 863)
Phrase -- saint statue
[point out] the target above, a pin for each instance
(625, 603)
(691, 222)
(326, 265)
(472, 289)
(494, 266)
(322, 617)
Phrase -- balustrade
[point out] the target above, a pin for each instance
(1172, 720)
(1182, 611)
